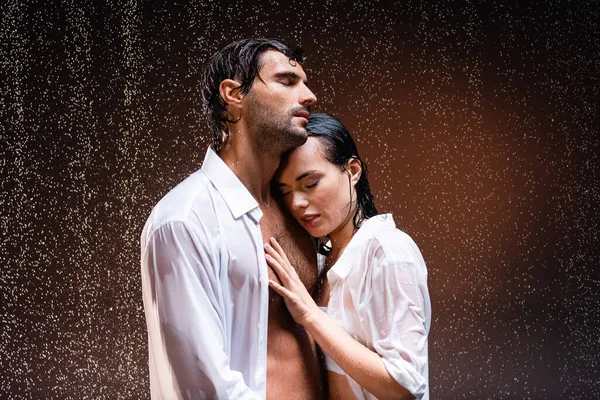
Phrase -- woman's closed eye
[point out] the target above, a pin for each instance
(312, 184)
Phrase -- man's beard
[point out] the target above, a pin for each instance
(274, 134)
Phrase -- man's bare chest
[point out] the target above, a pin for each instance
(295, 241)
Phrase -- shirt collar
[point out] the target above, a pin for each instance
(236, 196)
(351, 254)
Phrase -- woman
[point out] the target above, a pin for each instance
(376, 324)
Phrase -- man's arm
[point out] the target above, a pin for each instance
(186, 304)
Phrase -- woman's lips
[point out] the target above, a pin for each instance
(310, 221)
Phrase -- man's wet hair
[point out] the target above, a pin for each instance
(240, 61)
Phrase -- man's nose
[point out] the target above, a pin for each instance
(307, 97)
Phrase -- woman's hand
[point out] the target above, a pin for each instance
(362, 364)
(297, 299)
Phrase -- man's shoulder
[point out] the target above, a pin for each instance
(190, 202)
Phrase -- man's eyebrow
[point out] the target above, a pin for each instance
(289, 74)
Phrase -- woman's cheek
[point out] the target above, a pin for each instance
(287, 202)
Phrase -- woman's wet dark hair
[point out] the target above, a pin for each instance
(339, 148)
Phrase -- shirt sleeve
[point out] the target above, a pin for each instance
(187, 299)
(393, 315)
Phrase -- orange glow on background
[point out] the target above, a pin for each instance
(479, 125)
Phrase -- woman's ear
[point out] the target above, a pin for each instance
(354, 167)
(230, 93)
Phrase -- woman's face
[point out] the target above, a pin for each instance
(318, 193)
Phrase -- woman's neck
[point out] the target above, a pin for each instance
(340, 239)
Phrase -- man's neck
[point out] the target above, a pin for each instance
(253, 168)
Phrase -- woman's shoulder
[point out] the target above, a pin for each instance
(392, 243)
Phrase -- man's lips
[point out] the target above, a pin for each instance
(302, 114)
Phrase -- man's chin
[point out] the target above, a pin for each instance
(297, 137)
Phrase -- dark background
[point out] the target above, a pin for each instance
(478, 120)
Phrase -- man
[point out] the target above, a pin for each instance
(214, 328)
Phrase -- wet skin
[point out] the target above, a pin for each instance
(275, 114)
(294, 368)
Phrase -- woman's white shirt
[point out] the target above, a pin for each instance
(379, 296)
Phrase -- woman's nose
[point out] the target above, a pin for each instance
(299, 201)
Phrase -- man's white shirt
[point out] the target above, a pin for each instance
(205, 289)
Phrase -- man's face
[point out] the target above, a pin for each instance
(277, 106)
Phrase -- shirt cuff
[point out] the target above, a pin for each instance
(407, 376)
(332, 366)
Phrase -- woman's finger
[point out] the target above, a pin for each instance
(277, 267)
(279, 255)
(281, 290)
(276, 256)
(279, 250)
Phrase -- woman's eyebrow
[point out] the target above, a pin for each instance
(305, 174)
(300, 177)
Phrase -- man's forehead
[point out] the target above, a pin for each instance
(274, 61)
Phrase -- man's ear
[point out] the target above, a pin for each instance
(230, 93)
(354, 167)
